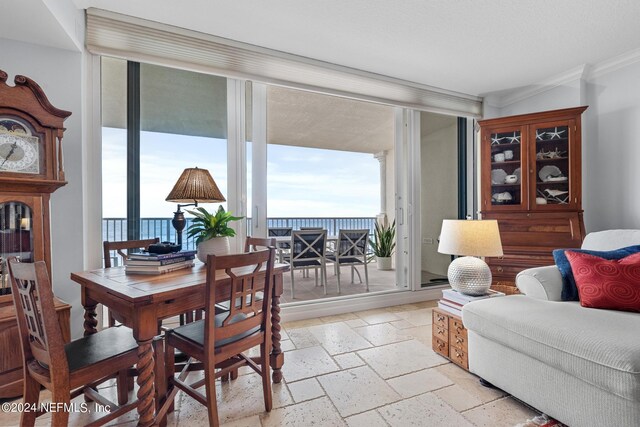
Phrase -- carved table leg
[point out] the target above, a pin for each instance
(90, 321)
(277, 357)
(145, 366)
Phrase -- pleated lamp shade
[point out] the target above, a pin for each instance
(470, 238)
(195, 185)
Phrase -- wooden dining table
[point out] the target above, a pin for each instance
(142, 301)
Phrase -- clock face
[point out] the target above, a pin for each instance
(19, 149)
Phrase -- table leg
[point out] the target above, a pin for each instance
(145, 366)
(276, 359)
(160, 378)
(90, 321)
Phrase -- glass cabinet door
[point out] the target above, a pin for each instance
(16, 238)
(553, 162)
(507, 157)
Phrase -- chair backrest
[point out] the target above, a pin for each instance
(127, 245)
(353, 244)
(40, 332)
(280, 231)
(308, 245)
(253, 244)
(249, 273)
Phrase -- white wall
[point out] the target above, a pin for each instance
(439, 187)
(610, 141)
(59, 73)
(611, 174)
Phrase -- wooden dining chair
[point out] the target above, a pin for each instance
(253, 244)
(119, 247)
(67, 370)
(219, 341)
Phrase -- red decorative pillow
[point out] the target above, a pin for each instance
(609, 284)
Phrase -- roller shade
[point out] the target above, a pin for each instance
(172, 101)
(136, 39)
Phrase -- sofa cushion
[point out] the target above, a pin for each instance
(569, 288)
(601, 347)
(610, 284)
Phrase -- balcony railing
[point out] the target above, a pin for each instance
(115, 229)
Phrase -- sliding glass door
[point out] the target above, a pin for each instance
(157, 121)
(320, 161)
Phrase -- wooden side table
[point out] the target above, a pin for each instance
(450, 338)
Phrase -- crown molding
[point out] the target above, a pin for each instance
(586, 72)
(520, 94)
(612, 64)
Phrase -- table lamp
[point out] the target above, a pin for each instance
(194, 186)
(470, 239)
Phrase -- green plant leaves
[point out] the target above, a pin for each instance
(384, 244)
(206, 226)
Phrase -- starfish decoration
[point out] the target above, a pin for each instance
(540, 135)
(556, 134)
(495, 140)
(513, 139)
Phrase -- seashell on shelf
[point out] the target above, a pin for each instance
(555, 193)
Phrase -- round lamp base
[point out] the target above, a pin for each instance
(469, 275)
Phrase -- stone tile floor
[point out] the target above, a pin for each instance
(370, 368)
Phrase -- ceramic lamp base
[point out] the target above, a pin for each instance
(469, 275)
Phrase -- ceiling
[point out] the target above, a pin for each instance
(470, 46)
(307, 119)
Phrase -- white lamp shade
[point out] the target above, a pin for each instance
(470, 238)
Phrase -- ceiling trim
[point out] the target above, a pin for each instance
(131, 38)
(540, 87)
(613, 64)
(585, 72)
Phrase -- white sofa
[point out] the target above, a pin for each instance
(578, 365)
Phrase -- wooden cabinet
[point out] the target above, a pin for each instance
(11, 353)
(31, 168)
(449, 337)
(531, 182)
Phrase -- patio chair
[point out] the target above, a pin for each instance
(305, 273)
(308, 249)
(351, 250)
(283, 247)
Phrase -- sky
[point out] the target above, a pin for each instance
(301, 182)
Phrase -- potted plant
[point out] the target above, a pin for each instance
(384, 244)
(212, 232)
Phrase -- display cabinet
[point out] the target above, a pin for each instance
(531, 177)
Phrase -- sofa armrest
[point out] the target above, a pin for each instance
(542, 283)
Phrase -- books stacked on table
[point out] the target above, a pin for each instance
(148, 263)
(452, 301)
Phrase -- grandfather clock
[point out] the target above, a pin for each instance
(31, 169)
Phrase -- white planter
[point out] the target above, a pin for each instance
(384, 263)
(215, 246)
